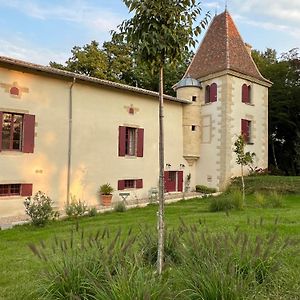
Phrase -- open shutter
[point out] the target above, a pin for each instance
(245, 130)
(213, 92)
(140, 142)
(26, 189)
(139, 183)
(1, 122)
(122, 136)
(28, 133)
(245, 93)
(180, 181)
(121, 185)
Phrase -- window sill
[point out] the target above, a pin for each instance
(130, 156)
(208, 103)
(11, 152)
(12, 197)
(249, 104)
(250, 143)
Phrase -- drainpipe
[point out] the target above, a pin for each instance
(70, 139)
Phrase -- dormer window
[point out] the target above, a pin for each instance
(246, 93)
(211, 93)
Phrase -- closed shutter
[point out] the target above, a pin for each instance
(26, 190)
(139, 183)
(140, 142)
(122, 135)
(245, 130)
(213, 92)
(245, 93)
(121, 185)
(180, 181)
(207, 94)
(28, 133)
(1, 122)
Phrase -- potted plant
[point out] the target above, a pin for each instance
(105, 192)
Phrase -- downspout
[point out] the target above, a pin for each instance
(70, 139)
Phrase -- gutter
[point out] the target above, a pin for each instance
(70, 140)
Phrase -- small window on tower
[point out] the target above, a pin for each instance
(193, 127)
(194, 98)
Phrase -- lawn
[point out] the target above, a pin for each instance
(19, 268)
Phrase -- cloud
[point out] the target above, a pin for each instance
(20, 50)
(78, 11)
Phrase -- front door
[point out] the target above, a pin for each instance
(173, 181)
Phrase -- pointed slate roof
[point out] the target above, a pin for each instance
(222, 49)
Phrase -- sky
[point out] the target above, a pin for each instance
(41, 31)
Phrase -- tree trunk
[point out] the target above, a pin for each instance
(274, 156)
(160, 252)
(243, 184)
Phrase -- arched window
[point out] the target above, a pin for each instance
(246, 93)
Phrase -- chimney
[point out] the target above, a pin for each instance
(249, 48)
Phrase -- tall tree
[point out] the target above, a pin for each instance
(284, 107)
(160, 30)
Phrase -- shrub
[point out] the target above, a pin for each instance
(222, 203)
(75, 208)
(205, 190)
(92, 212)
(119, 206)
(260, 199)
(237, 199)
(39, 208)
(275, 200)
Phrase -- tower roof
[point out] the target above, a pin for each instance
(223, 49)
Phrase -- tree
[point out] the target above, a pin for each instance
(284, 106)
(159, 31)
(242, 158)
(88, 60)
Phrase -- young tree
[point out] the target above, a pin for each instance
(160, 31)
(243, 158)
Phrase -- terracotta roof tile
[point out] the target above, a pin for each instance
(222, 49)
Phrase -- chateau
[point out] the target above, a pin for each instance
(66, 134)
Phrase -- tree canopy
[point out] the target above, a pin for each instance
(284, 108)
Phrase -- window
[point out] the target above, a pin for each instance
(246, 93)
(130, 184)
(211, 93)
(193, 127)
(131, 141)
(246, 130)
(15, 189)
(16, 132)
(194, 98)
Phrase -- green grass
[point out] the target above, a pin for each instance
(19, 268)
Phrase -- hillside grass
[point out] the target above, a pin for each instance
(19, 268)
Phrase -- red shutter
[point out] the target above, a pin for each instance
(28, 133)
(166, 181)
(180, 181)
(26, 189)
(1, 124)
(245, 130)
(140, 142)
(122, 136)
(213, 92)
(245, 93)
(121, 185)
(207, 94)
(139, 183)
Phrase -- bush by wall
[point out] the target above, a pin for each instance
(205, 190)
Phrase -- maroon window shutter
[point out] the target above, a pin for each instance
(140, 142)
(28, 133)
(245, 93)
(245, 130)
(207, 94)
(213, 92)
(26, 189)
(1, 122)
(180, 181)
(139, 183)
(121, 185)
(122, 136)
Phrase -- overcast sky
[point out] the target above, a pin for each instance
(40, 31)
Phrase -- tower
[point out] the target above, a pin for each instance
(233, 101)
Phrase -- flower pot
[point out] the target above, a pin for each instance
(106, 200)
